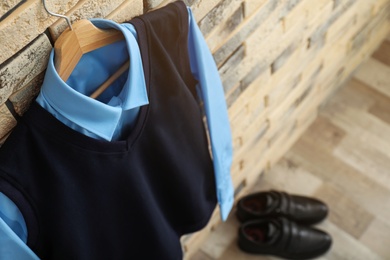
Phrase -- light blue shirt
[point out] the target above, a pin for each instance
(111, 116)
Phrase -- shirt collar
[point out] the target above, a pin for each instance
(95, 116)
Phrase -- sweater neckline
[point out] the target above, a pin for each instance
(42, 119)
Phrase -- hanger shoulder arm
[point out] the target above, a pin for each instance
(68, 53)
(72, 44)
(92, 38)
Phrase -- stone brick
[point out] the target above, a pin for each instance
(218, 15)
(293, 13)
(304, 95)
(150, 4)
(22, 99)
(126, 11)
(378, 6)
(347, 23)
(268, 41)
(248, 28)
(190, 2)
(278, 63)
(24, 66)
(281, 90)
(250, 107)
(253, 74)
(251, 97)
(251, 6)
(281, 132)
(7, 121)
(314, 9)
(227, 26)
(229, 69)
(282, 98)
(362, 36)
(201, 8)
(319, 34)
(232, 97)
(84, 9)
(8, 5)
(291, 4)
(304, 12)
(336, 3)
(245, 82)
(317, 40)
(287, 107)
(26, 23)
(155, 4)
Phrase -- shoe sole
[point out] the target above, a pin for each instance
(304, 256)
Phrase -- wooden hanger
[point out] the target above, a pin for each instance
(79, 39)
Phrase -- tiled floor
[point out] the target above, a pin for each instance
(343, 159)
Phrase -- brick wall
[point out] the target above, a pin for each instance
(278, 60)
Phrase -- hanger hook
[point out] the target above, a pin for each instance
(58, 15)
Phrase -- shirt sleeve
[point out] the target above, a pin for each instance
(211, 92)
(13, 232)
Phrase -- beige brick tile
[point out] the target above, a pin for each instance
(301, 12)
(281, 89)
(332, 20)
(201, 8)
(84, 9)
(229, 72)
(286, 108)
(266, 43)
(243, 31)
(367, 30)
(126, 11)
(285, 55)
(26, 23)
(345, 24)
(378, 5)
(7, 5)
(24, 67)
(251, 98)
(150, 4)
(251, 6)
(217, 18)
(22, 99)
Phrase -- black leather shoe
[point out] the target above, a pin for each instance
(283, 238)
(300, 209)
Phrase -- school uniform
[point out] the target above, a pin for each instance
(124, 176)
